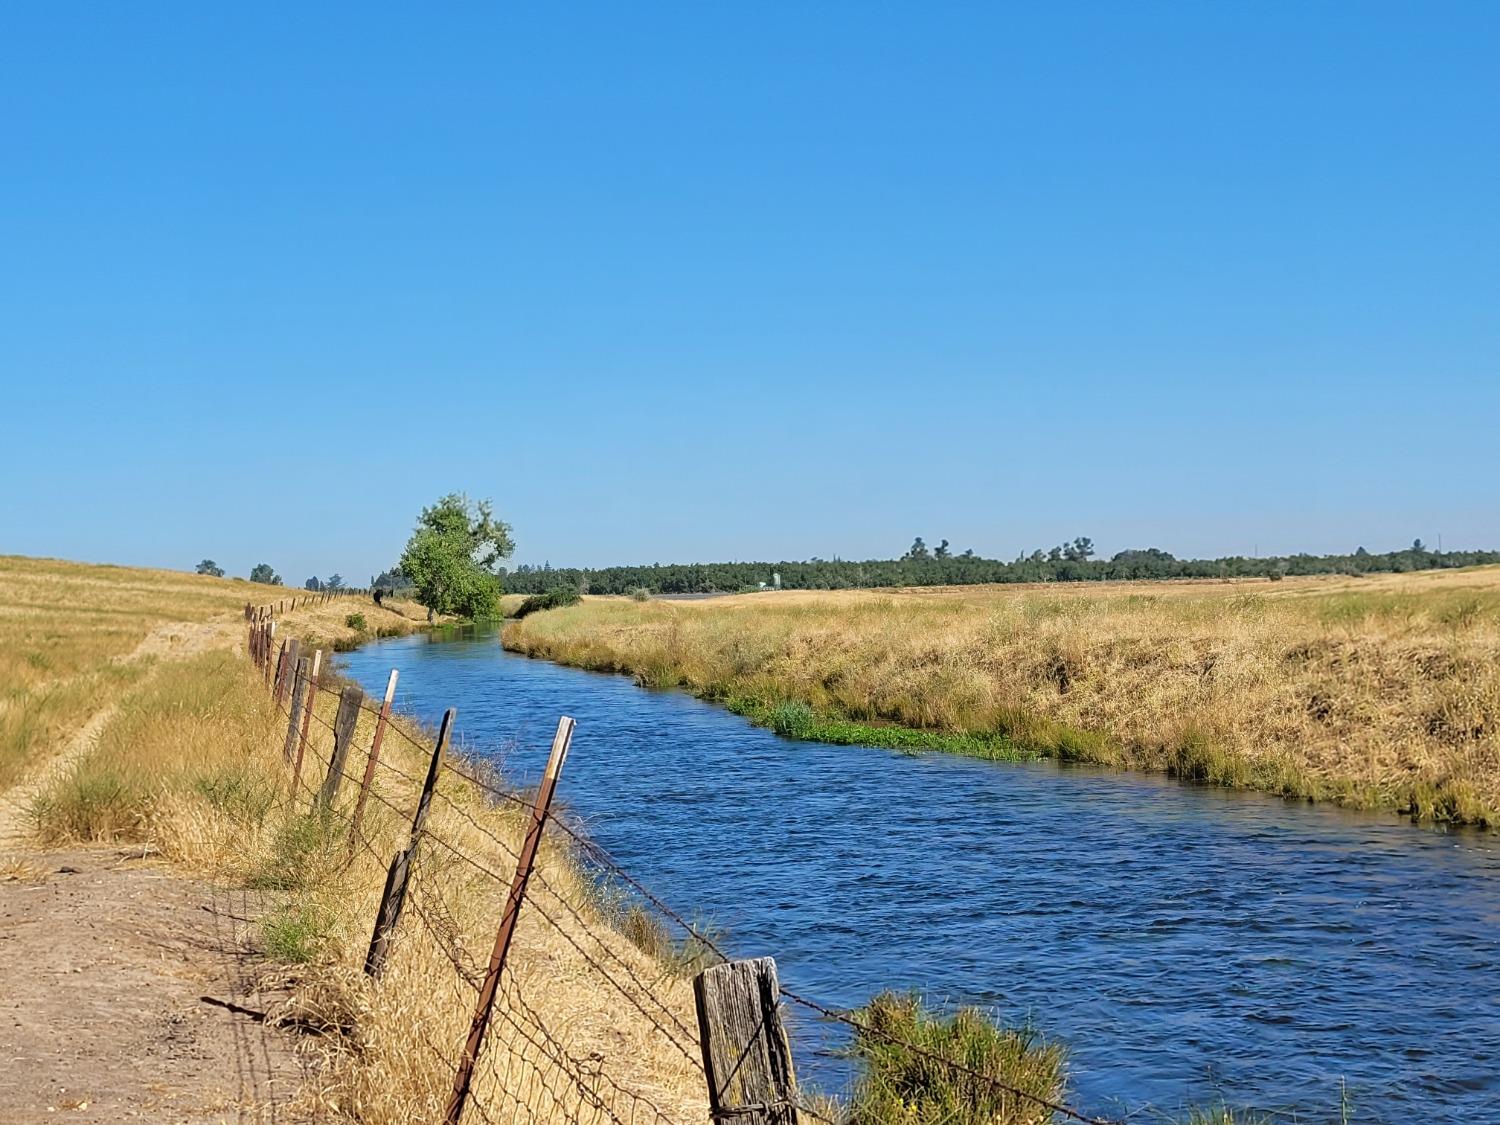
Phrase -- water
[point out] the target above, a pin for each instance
(1187, 944)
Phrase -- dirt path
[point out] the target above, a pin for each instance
(105, 961)
(124, 986)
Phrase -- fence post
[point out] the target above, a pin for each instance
(288, 671)
(364, 786)
(343, 734)
(393, 898)
(281, 668)
(461, 1080)
(294, 713)
(270, 642)
(307, 715)
(746, 1057)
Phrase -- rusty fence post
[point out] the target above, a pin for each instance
(374, 758)
(393, 897)
(746, 1057)
(465, 1074)
(343, 734)
(294, 712)
(307, 717)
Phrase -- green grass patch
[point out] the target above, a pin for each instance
(296, 934)
(919, 1087)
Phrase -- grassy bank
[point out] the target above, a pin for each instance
(1378, 693)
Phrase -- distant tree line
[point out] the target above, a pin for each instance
(923, 566)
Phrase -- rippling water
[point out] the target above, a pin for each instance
(1187, 944)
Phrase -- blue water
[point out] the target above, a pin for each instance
(1188, 945)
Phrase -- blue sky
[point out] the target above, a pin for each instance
(693, 282)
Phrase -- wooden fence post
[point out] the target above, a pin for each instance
(370, 762)
(393, 898)
(343, 735)
(307, 716)
(465, 1075)
(746, 1057)
(281, 670)
(289, 668)
(294, 713)
(270, 642)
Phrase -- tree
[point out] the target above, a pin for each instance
(1079, 550)
(918, 549)
(968, 553)
(262, 572)
(313, 584)
(452, 554)
(1418, 546)
(335, 582)
(942, 551)
(211, 568)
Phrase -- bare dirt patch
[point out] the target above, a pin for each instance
(105, 961)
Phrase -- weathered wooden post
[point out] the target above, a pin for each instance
(393, 898)
(281, 669)
(294, 713)
(465, 1075)
(270, 644)
(374, 758)
(293, 650)
(343, 735)
(746, 1056)
(307, 716)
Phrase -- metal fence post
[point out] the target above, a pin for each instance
(465, 1075)
(374, 758)
(393, 898)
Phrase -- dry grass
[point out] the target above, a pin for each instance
(1377, 692)
(73, 635)
(190, 764)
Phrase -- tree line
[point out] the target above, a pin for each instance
(923, 566)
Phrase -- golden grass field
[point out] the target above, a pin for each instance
(133, 715)
(1377, 692)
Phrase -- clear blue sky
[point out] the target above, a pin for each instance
(713, 281)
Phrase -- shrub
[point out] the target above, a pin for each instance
(793, 720)
(900, 1084)
(356, 621)
(555, 598)
(640, 594)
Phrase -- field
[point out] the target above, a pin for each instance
(1377, 692)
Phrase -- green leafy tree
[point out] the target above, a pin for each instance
(452, 555)
(211, 568)
(918, 549)
(942, 551)
(314, 584)
(335, 582)
(262, 572)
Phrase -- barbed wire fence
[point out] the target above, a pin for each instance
(499, 1045)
